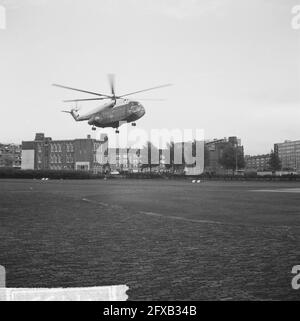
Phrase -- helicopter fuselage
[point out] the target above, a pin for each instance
(113, 113)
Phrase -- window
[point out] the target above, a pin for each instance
(69, 147)
(69, 158)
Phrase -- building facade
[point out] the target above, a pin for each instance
(78, 154)
(123, 159)
(289, 155)
(133, 160)
(258, 163)
(214, 152)
(96, 156)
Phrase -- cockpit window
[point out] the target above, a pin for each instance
(134, 106)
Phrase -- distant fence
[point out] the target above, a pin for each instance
(211, 177)
(72, 174)
(51, 174)
(207, 177)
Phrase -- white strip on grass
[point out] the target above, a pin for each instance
(281, 190)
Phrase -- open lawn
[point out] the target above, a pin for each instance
(165, 239)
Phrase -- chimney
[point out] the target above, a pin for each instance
(39, 136)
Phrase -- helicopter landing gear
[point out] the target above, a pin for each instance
(117, 131)
(93, 128)
(133, 124)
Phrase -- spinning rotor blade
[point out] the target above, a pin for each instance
(152, 99)
(83, 91)
(111, 79)
(140, 91)
(75, 100)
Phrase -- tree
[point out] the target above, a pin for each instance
(274, 162)
(232, 157)
(106, 168)
(206, 155)
(8, 161)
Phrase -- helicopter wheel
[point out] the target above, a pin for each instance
(117, 131)
(133, 124)
(93, 128)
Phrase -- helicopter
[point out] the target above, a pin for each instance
(113, 113)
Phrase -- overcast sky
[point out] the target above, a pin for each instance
(234, 65)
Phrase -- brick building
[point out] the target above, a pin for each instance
(259, 163)
(214, 151)
(77, 154)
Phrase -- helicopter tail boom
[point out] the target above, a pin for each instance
(73, 112)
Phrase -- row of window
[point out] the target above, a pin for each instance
(258, 158)
(57, 158)
(287, 149)
(257, 163)
(289, 154)
(290, 158)
(57, 147)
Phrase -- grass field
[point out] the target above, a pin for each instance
(165, 239)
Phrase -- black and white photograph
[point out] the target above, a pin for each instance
(149, 152)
